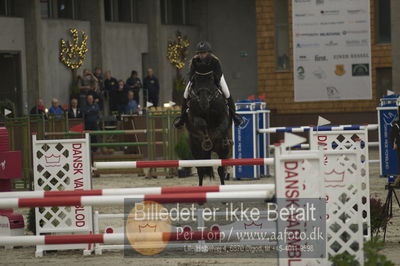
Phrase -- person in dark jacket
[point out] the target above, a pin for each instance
(96, 93)
(73, 110)
(98, 73)
(39, 108)
(121, 96)
(151, 88)
(84, 85)
(90, 113)
(111, 87)
(134, 84)
(204, 62)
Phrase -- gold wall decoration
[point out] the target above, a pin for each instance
(72, 54)
(178, 50)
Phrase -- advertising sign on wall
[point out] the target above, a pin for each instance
(331, 50)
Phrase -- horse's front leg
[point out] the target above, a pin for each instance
(201, 171)
(207, 143)
(200, 125)
(199, 154)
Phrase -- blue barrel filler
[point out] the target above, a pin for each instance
(387, 113)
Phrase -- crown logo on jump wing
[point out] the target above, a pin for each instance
(252, 224)
(334, 177)
(3, 165)
(53, 159)
(147, 228)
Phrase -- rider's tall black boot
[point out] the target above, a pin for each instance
(180, 121)
(237, 119)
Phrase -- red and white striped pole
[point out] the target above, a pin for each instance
(183, 163)
(137, 191)
(202, 197)
(107, 238)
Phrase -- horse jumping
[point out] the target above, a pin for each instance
(208, 124)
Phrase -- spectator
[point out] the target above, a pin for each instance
(99, 76)
(55, 108)
(39, 108)
(131, 107)
(96, 93)
(121, 96)
(134, 84)
(151, 86)
(74, 111)
(111, 87)
(84, 85)
(86, 79)
(90, 115)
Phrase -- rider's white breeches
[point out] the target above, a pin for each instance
(186, 93)
(224, 88)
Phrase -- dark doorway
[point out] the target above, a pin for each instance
(383, 81)
(10, 69)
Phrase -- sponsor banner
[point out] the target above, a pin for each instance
(332, 50)
(245, 145)
(388, 155)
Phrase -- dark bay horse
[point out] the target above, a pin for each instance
(208, 124)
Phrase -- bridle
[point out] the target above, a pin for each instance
(212, 95)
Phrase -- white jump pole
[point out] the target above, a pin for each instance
(120, 200)
(117, 238)
(183, 163)
(320, 128)
(137, 191)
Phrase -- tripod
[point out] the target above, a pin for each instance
(388, 207)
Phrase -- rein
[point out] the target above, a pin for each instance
(193, 95)
(211, 98)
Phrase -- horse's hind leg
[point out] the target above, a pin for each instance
(201, 171)
(204, 171)
(199, 154)
(223, 152)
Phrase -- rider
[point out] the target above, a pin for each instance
(203, 62)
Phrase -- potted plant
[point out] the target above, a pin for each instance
(183, 152)
(177, 52)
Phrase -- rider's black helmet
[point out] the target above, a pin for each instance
(202, 47)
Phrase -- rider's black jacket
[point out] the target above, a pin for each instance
(203, 66)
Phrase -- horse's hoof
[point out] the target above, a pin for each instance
(207, 145)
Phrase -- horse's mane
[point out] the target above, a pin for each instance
(204, 79)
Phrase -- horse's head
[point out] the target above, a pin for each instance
(204, 89)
